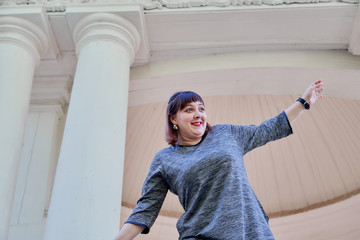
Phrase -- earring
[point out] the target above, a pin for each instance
(175, 127)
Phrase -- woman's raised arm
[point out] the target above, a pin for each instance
(310, 96)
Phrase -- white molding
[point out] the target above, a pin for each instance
(350, 1)
(354, 45)
(160, 28)
(34, 107)
(61, 5)
(193, 32)
(147, 91)
(50, 91)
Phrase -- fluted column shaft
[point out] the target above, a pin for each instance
(21, 45)
(86, 199)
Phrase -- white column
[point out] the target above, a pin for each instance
(354, 44)
(39, 154)
(21, 45)
(86, 198)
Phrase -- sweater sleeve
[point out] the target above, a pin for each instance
(154, 191)
(251, 136)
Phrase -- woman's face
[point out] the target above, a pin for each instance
(191, 121)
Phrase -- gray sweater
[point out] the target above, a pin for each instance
(211, 183)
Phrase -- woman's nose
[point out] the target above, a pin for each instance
(197, 114)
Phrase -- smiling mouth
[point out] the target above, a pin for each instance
(196, 124)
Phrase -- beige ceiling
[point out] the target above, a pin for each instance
(318, 165)
(249, 70)
(302, 181)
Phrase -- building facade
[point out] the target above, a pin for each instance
(84, 85)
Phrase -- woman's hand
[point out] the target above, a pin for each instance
(312, 93)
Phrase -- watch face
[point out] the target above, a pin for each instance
(306, 105)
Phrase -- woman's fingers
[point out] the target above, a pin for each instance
(315, 89)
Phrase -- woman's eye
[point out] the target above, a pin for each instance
(202, 109)
(188, 110)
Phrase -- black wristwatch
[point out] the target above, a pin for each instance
(304, 103)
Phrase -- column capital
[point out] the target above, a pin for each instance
(51, 93)
(23, 33)
(107, 27)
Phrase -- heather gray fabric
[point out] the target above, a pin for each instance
(211, 182)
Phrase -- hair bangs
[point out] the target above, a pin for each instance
(189, 97)
(179, 100)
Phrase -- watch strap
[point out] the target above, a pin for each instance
(304, 103)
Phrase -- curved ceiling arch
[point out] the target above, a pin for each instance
(245, 81)
(312, 168)
(315, 167)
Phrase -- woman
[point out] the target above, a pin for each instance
(204, 167)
